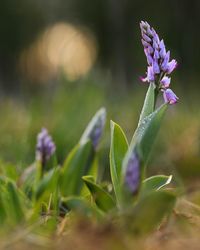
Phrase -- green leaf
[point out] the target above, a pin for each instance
(11, 172)
(14, 206)
(2, 211)
(149, 103)
(150, 211)
(102, 198)
(145, 136)
(96, 124)
(27, 180)
(149, 130)
(77, 164)
(118, 149)
(81, 206)
(154, 183)
(147, 110)
(152, 121)
(81, 158)
(47, 184)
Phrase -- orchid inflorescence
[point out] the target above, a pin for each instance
(158, 71)
(159, 64)
(132, 177)
(45, 147)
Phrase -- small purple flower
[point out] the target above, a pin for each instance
(156, 55)
(148, 55)
(132, 175)
(156, 68)
(146, 38)
(45, 147)
(155, 45)
(171, 66)
(165, 62)
(150, 74)
(150, 50)
(145, 44)
(162, 49)
(165, 82)
(170, 97)
(158, 59)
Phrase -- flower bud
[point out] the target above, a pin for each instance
(165, 82)
(150, 74)
(165, 62)
(145, 44)
(132, 175)
(95, 128)
(156, 68)
(146, 38)
(162, 49)
(170, 97)
(171, 66)
(45, 147)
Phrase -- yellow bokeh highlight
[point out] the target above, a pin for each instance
(61, 47)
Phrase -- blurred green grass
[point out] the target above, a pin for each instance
(66, 109)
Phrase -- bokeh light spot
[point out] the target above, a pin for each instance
(61, 47)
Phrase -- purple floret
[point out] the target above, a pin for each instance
(169, 96)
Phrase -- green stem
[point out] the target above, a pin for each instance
(38, 177)
(156, 92)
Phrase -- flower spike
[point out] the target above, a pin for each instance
(45, 147)
(132, 176)
(158, 59)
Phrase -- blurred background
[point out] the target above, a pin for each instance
(61, 60)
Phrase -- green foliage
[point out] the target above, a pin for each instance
(81, 159)
(118, 149)
(59, 190)
(48, 184)
(159, 205)
(143, 140)
(81, 206)
(154, 183)
(2, 210)
(96, 123)
(148, 131)
(102, 198)
(12, 203)
(77, 164)
(149, 103)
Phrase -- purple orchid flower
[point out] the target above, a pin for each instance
(165, 82)
(45, 147)
(169, 96)
(158, 59)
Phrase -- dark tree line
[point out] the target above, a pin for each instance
(115, 25)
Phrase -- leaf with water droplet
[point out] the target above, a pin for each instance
(148, 133)
(144, 137)
(149, 102)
